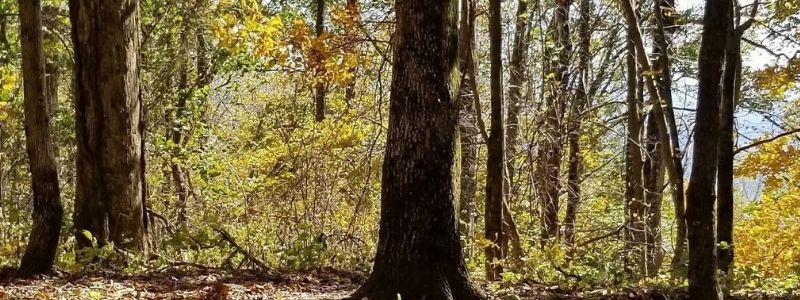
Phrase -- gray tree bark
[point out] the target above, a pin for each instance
(468, 123)
(110, 194)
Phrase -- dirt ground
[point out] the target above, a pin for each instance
(279, 285)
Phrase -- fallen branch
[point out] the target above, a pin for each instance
(228, 238)
(567, 274)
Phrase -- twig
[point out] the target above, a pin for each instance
(762, 47)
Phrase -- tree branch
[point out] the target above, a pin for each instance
(764, 141)
(762, 47)
(605, 236)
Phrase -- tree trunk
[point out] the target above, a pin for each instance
(653, 170)
(319, 84)
(700, 194)
(730, 91)
(47, 210)
(517, 76)
(350, 89)
(467, 125)
(495, 164)
(633, 153)
(654, 165)
(51, 86)
(110, 194)
(664, 11)
(551, 151)
(176, 121)
(667, 133)
(575, 163)
(419, 253)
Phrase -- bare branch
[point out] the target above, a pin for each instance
(764, 141)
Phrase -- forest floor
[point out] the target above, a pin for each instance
(222, 284)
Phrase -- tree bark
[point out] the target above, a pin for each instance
(419, 254)
(551, 150)
(633, 153)
(110, 194)
(700, 194)
(51, 87)
(653, 170)
(350, 88)
(495, 164)
(575, 163)
(667, 133)
(319, 85)
(730, 90)
(664, 12)
(47, 210)
(467, 125)
(176, 120)
(517, 76)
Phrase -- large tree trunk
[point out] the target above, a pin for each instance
(47, 210)
(419, 253)
(109, 201)
(551, 150)
(495, 164)
(731, 84)
(320, 90)
(467, 124)
(575, 162)
(700, 194)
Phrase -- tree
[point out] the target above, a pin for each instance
(517, 77)
(419, 254)
(633, 153)
(551, 150)
(664, 12)
(47, 210)
(731, 88)
(495, 164)
(581, 100)
(176, 115)
(350, 88)
(109, 202)
(468, 123)
(667, 131)
(319, 86)
(700, 194)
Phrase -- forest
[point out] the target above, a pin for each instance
(400, 149)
